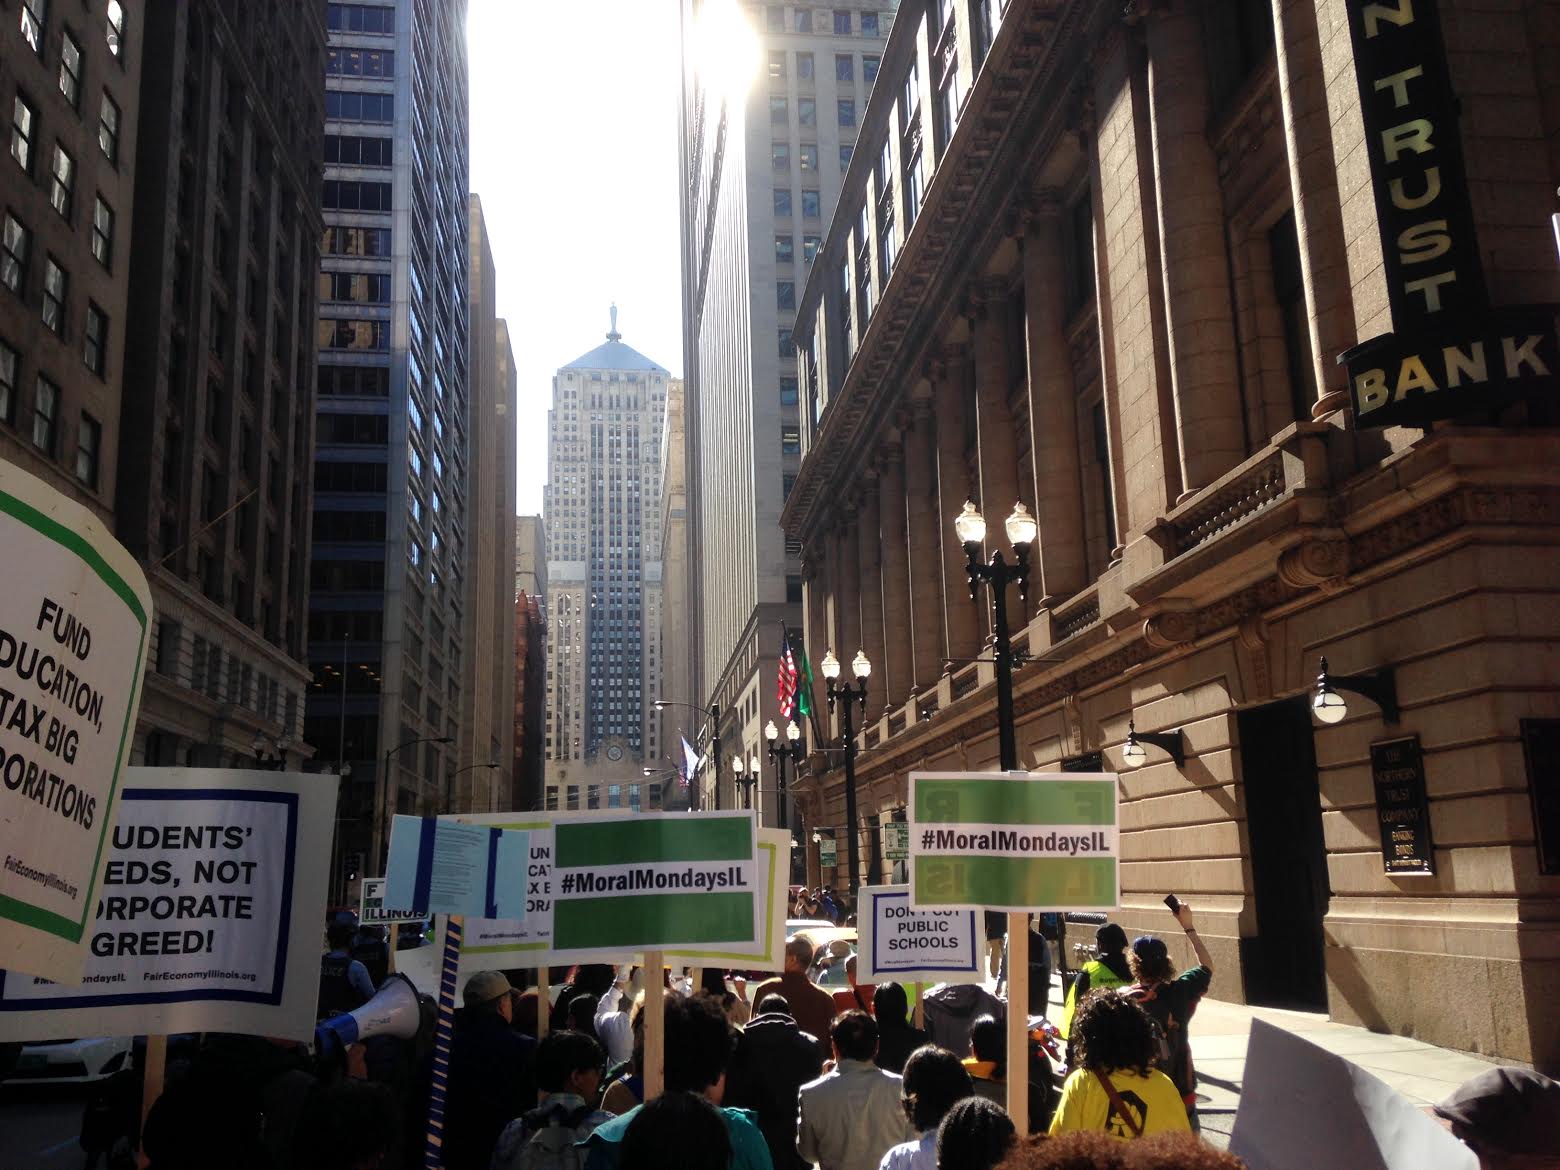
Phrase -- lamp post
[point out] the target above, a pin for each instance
(747, 777)
(843, 694)
(449, 785)
(794, 751)
(970, 527)
(382, 813)
(713, 711)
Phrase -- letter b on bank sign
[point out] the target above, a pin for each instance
(1042, 841)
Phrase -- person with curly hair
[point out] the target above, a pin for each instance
(976, 1135)
(1115, 1089)
(1097, 1151)
(1171, 1000)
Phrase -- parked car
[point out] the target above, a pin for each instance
(71, 1061)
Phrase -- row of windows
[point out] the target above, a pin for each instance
(354, 151)
(27, 134)
(355, 241)
(785, 249)
(838, 19)
(334, 428)
(360, 18)
(807, 111)
(15, 249)
(360, 63)
(351, 195)
(350, 333)
(346, 526)
(844, 66)
(35, 23)
(369, 288)
(812, 203)
(349, 477)
(46, 417)
(359, 107)
(354, 381)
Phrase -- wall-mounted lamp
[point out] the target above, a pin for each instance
(1379, 686)
(1174, 742)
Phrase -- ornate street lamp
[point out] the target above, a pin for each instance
(1380, 687)
(841, 696)
(793, 750)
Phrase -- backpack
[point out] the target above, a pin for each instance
(1166, 1028)
(551, 1145)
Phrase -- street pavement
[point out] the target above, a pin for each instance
(40, 1127)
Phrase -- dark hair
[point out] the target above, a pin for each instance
(594, 978)
(975, 1135)
(582, 1012)
(347, 1123)
(1100, 1151)
(713, 982)
(678, 1129)
(934, 1082)
(562, 1053)
(698, 1043)
(891, 1006)
(1156, 968)
(338, 935)
(1110, 1032)
(855, 1035)
(798, 947)
(989, 1042)
(773, 1004)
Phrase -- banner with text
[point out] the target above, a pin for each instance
(75, 617)
(210, 917)
(442, 867)
(655, 881)
(1014, 841)
(768, 953)
(373, 910)
(906, 945)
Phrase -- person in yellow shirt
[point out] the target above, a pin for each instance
(1114, 1087)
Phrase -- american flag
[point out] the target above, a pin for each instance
(785, 683)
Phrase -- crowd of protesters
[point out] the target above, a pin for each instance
(787, 1079)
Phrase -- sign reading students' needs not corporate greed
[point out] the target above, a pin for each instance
(908, 945)
(1013, 841)
(213, 896)
(75, 614)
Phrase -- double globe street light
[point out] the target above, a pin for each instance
(840, 696)
(747, 777)
(793, 750)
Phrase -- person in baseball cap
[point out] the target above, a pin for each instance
(1510, 1117)
(492, 1073)
(484, 987)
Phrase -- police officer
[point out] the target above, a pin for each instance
(344, 982)
(1108, 970)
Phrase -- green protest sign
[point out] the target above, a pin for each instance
(1026, 841)
(655, 882)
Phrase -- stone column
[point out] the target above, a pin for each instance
(847, 595)
(926, 530)
(950, 386)
(1204, 374)
(998, 453)
(897, 621)
(815, 617)
(1313, 183)
(870, 593)
(1059, 558)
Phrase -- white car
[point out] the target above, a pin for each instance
(71, 1061)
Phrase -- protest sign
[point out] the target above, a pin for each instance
(442, 867)
(905, 945)
(1023, 841)
(373, 910)
(652, 881)
(768, 954)
(211, 914)
(75, 617)
(1289, 1083)
(896, 841)
(828, 853)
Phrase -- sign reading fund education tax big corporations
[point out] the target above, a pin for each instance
(74, 620)
(1014, 841)
(655, 882)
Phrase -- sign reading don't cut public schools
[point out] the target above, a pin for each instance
(1014, 841)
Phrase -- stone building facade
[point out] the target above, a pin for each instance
(1104, 260)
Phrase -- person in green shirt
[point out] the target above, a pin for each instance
(699, 1042)
(1115, 1089)
(1108, 969)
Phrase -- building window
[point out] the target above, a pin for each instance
(804, 20)
(350, 62)
(785, 295)
(847, 111)
(108, 129)
(62, 183)
(24, 124)
(810, 246)
(790, 440)
(35, 14)
(1289, 293)
(89, 439)
(776, 64)
(785, 250)
(869, 24)
(359, 107)
(787, 346)
(346, 333)
(360, 18)
(46, 410)
(54, 287)
(14, 246)
(806, 112)
(1080, 255)
(804, 66)
(807, 156)
(812, 206)
(357, 151)
(788, 392)
(844, 67)
(869, 67)
(70, 70)
(774, 18)
(347, 195)
(842, 22)
(779, 111)
(1237, 37)
(915, 185)
(94, 349)
(9, 362)
(782, 201)
(116, 29)
(780, 155)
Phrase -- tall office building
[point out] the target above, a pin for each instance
(603, 514)
(388, 637)
(216, 419)
(530, 665)
(761, 175)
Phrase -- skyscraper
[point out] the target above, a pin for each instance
(761, 171)
(387, 621)
(603, 516)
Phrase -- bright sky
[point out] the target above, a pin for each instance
(574, 154)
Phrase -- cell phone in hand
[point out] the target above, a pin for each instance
(1173, 903)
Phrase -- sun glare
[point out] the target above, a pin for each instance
(727, 48)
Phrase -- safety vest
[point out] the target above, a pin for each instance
(1100, 976)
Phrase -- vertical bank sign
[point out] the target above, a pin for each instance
(1449, 353)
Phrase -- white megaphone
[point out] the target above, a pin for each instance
(392, 1012)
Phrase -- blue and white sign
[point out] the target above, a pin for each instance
(441, 867)
(903, 945)
(209, 912)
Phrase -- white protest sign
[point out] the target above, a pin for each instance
(904, 945)
(768, 954)
(75, 617)
(443, 867)
(373, 911)
(211, 913)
